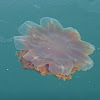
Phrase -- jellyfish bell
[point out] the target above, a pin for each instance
(49, 43)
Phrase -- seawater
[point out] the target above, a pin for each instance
(17, 83)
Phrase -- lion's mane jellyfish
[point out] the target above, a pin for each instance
(51, 49)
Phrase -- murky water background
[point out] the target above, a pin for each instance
(16, 83)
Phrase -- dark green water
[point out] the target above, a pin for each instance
(19, 84)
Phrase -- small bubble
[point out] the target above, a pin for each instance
(36, 57)
(48, 48)
(7, 69)
(75, 60)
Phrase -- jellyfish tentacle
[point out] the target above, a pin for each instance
(82, 46)
(29, 55)
(71, 33)
(88, 64)
(51, 24)
(20, 42)
(30, 27)
(68, 68)
(62, 69)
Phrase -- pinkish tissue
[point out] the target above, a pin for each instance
(50, 43)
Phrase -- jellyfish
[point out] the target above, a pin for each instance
(51, 49)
